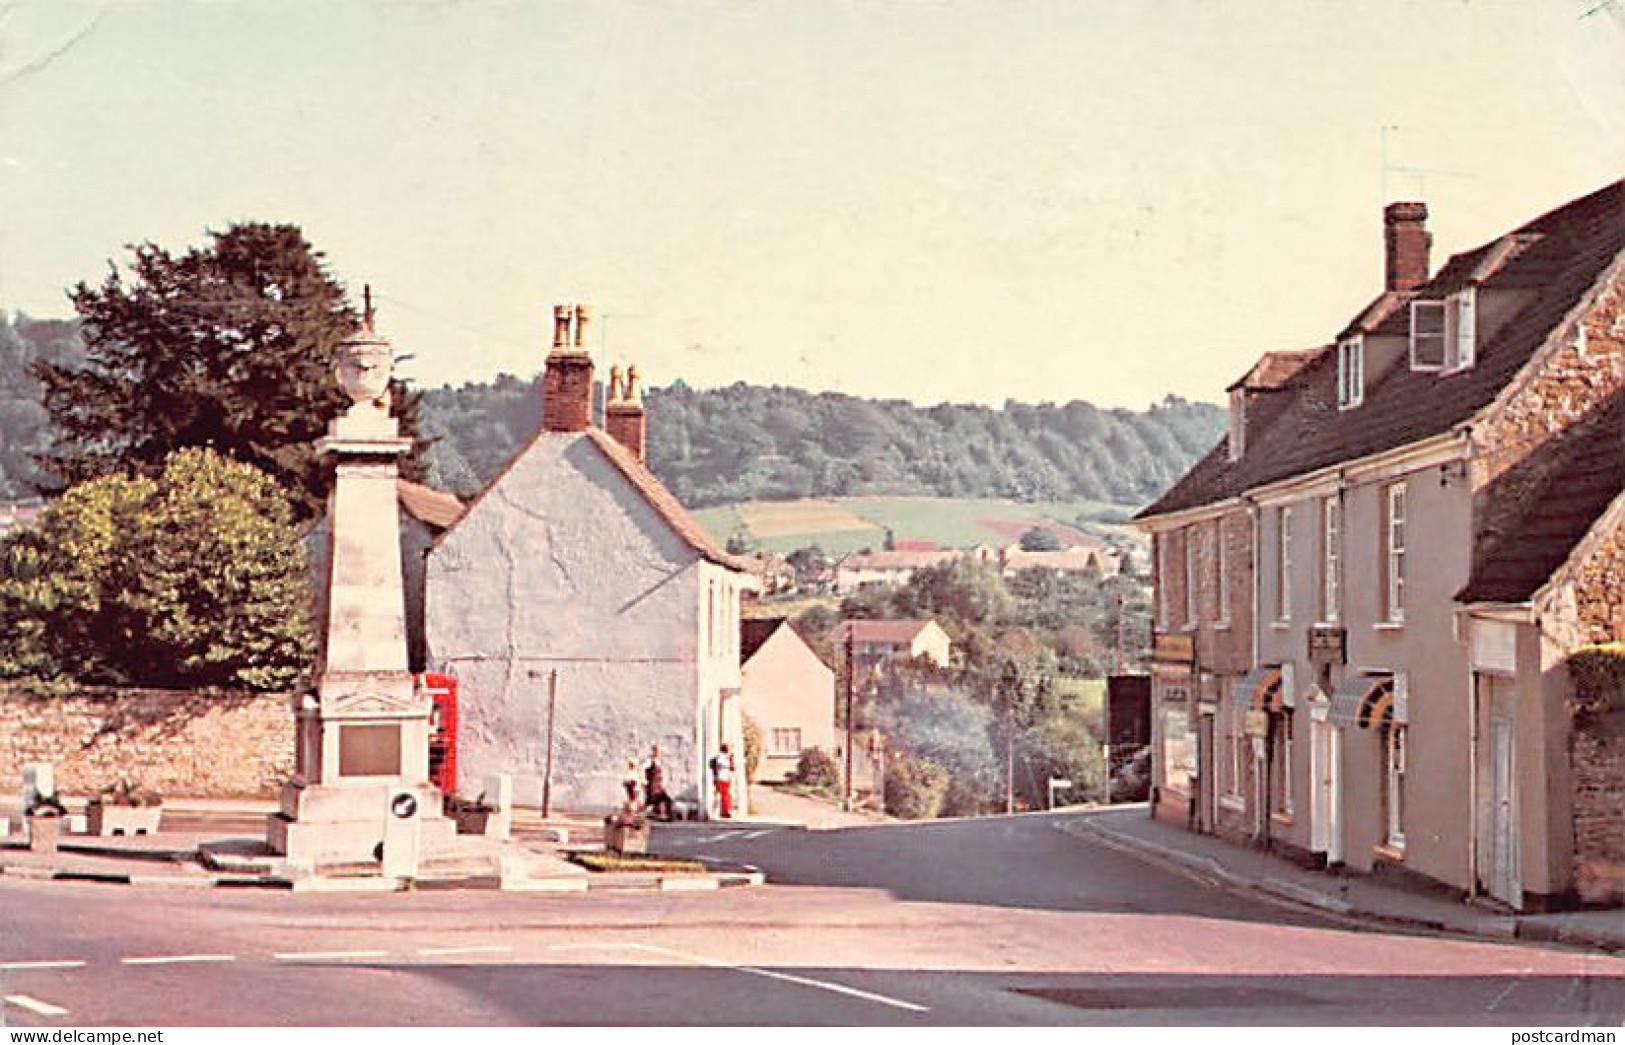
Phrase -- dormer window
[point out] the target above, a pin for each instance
(1461, 315)
(1238, 423)
(1350, 372)
(1428, 335)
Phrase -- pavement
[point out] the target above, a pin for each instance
(1356, 898)
(209, 843)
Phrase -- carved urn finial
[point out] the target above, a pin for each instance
(364, 361)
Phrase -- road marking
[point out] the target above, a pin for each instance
(177, 959)
(20, 966)
(441, 952)
(753, 835)
(823, 985)
(314, 956)
(43, 1008)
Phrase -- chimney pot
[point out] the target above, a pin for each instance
(561, 327)
(1407, 243)
(624, 418)
(583, 315)
(567, 381)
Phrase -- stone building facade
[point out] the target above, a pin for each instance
(1436, 511)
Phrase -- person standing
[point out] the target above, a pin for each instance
(722, 775)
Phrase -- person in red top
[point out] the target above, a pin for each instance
(722, 775)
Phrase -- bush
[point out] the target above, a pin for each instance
(193, 578)
(817, 768)
(916, 788)
(1599, 679)
(753, 747)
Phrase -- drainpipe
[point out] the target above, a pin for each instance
(1466, 434)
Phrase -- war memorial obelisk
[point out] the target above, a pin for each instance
(360, 790)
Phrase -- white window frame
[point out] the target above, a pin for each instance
(1221, 570)
(782, 750)
(1283, 563)
(1162, 581)
(1237, 739)
(1436, 339)
(1461, 329)
(1350, 372)
(1192, 610)
(1238, 423)
(1393, 520)
(1331, 559)
(1396, 747)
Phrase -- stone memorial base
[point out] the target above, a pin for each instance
(345, 823)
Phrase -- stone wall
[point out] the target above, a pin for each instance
(1599, 829)
(1576, 378)
(1599, 591)
(176, 742)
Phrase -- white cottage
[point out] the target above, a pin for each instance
(578, 600)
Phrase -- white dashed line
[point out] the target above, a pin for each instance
(178, 959)
(20, 966)
(316, 956)
(753, 835)
(34, 1005)
(444, 952)
(751, 970)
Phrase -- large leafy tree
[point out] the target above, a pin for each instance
(193, 577)
(228, 345)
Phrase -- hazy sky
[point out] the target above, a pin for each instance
(953, 200)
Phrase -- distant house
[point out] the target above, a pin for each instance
(1077, 558)
(577, 600)
(896, 566)
(788, 692)
(773, 573)
(17, 514)
(876, 643)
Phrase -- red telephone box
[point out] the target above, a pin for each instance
(442, 689)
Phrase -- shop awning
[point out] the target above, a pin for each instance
(1364, 701)
(1260, 689)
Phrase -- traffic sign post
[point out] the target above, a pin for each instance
(402, 836)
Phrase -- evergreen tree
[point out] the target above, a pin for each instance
(229, 346)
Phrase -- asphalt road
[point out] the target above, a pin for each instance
(995, 921)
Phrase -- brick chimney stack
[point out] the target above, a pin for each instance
(1406, 237)
(567, 384)
(623, 415)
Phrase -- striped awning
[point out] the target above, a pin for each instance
(1364, 701)
(1261, 689)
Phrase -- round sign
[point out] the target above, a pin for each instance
(403, 805)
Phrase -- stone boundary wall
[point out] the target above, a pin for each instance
(179, 743)
(1599, 828)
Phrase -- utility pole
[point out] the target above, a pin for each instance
(1117, 651)
(1009, 762)
(850, 734)
(547, 772)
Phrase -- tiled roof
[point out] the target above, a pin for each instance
(1275, 369)
(896, 559)
(1558, 256)
(1542, 513)
(888, 632)
(667, 506)
(653, 492)
(752, 633)
(440, 510)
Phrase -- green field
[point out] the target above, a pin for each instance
(843, 524)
